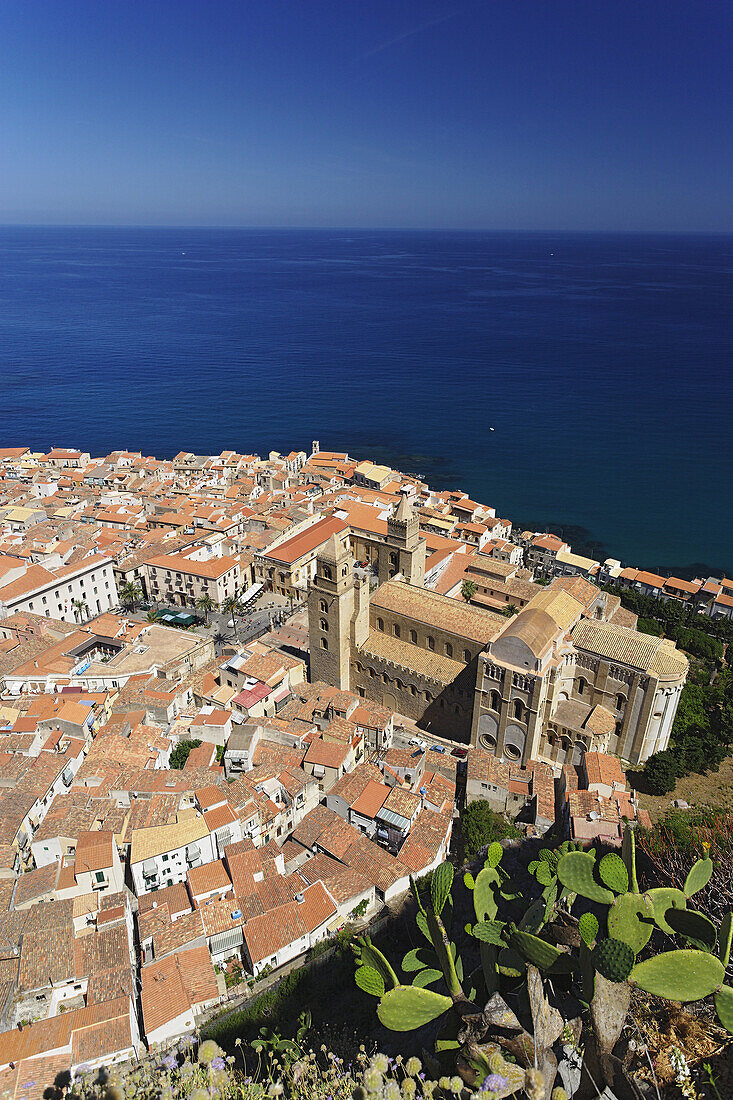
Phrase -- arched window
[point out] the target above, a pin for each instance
(448, 649)
(385, 678)
(442, 704)
(372, 673)
(380, 624)
(413, 689)
(456, 709)
(396, 630)
(323, 605)
(467, 655)
(428, 697)
(431, 642)
(327, 572)
(324, 624)
(582, 685)
(518, 709)
(620, 701)
(324, 643)
(394, 559)
(413, 637)
(495, 700)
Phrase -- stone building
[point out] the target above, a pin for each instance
(562, 677)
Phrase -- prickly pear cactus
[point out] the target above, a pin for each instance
(613, 873)
(614, 959)
(685, 975)
(577, 871)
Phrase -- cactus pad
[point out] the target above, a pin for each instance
(493, 854)
(407, 1008)
(544, 874)
(489, 931)
(724, 1006)
(440, 885)
(426, 977)
(724, 938)
(631, 919)
(614, 959)
(510, 963)
(664, 898)
(686, 975)
(699, 876)
(588, 928)
(576, 871)
(628, 854)
(535, 950)
(370, 980)
(613, 873)
(695, 927)
(418, 958)
(484, 902)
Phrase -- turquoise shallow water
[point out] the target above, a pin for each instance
(602, 362)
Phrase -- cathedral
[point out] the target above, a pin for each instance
(561, 677)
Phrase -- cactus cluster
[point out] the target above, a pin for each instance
(608, 957)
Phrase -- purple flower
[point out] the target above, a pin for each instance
(170, 1062)
(495, 1081)
(218, 1063)
(28, 1084)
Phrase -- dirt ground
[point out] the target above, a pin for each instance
(714, 789)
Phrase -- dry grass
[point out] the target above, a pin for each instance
(663, 1025)
(714, 789)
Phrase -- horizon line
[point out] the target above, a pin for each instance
(363, 228)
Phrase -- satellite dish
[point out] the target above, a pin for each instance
(594, 815)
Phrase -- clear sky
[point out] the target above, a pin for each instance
(497, 114)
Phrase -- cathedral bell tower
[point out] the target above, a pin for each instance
(330, 614)
(404, 549)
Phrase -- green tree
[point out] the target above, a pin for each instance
(80, 609)
(661, 772)
(231, 606)
(181, 753)
(469, 590)
(153, 616)
(510, 610)
(207, 605)
(130, 594)
(481, 826)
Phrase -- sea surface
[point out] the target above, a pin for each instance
(601, 362)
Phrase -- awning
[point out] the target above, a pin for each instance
(226, 941)
(150, 867)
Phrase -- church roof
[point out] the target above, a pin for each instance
(433, 609)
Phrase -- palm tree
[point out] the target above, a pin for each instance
(207, 605)
(469, 590)
(510, 610)
(153, 616)
(80, 608)
(231, 606)
(130, 594)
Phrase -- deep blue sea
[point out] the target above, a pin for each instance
(602, 362)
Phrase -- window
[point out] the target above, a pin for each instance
(396, 630)
(327, 572)
(581, 686)
(495, 700)
(620, 702)
(323, 605)
(467, 655)
(99, 876)
(431, 642)
(413, 637)
(380, 624)
(324, 624)
(518, 709)
(448, 649)
(324, 643)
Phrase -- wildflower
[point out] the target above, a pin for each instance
(495, 1082)
(391, 1090)
(380, 1062)
(218, 1062)
(208, 1051)
(534, 1085)
(114, 1092)
(170, 1062)
(275, 1089)
(444, 1083)
(409, 1088)
(359, 1093)
(199, 1094)
(373, 1079)
(456, 1085)
(413, 1066)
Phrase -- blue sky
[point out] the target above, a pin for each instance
(497, 114)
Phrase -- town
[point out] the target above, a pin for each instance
(243, 700)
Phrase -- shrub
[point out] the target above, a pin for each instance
(181, 753)
(481, 825)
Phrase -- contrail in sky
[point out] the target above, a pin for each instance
(409, 34)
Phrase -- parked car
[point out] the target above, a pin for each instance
(417, 743)
(460, 753)
(437, 748)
